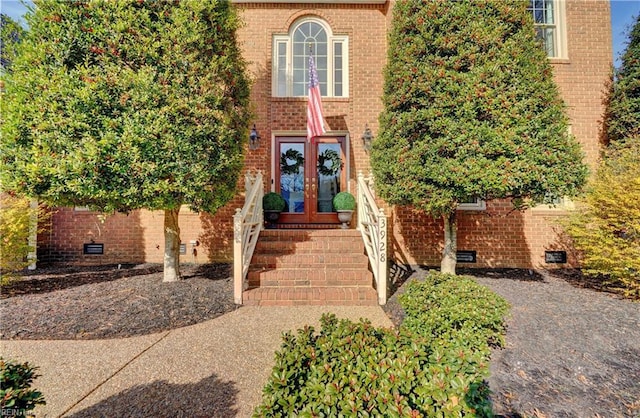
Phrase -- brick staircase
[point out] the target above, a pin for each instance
(310, 267)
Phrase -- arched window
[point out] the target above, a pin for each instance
(291, 60)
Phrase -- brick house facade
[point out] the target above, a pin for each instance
(580, 51)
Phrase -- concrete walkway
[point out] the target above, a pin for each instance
(213, 369)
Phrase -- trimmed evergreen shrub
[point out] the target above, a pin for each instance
(455, 308)
(16, 395)
(344, 201)
(273, 201)
(128, 105)
(356, 369)
(471, 110)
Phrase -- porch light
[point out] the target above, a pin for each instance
(254, 138)
(367, 137)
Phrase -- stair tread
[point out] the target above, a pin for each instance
(318, 296)
(304, 267)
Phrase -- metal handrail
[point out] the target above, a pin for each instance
(372, 223)
(247, 224)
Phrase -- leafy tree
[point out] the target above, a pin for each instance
(18, 220)
(121, 105)
(17, 216)
(470, 111)
(606, 226)
(623, 114)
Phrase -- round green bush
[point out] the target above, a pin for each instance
(273, 201)
(344, 201)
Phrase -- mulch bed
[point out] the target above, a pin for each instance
(112, 301)
(571, 351)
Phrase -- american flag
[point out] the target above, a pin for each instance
(315, 121)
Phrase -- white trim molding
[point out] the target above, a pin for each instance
(478, 204)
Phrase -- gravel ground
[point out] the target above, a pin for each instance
(107, 302)
(571, 350)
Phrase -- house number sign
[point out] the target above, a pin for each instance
(383, 238)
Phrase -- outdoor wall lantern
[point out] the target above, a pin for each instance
(367, 137)
(254, 138)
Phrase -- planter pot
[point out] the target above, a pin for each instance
(345, 216)
(271, 216)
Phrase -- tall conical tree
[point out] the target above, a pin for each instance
(129, 104)
(470, 111)
(623, 115)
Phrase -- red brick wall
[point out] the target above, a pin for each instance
(581, 78)
(501, 237)
(134, 238)
(365, 25)
(122, 236)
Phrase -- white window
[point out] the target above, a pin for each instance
(560, 204)
(472, 203)
(548, 19)
(291, 60)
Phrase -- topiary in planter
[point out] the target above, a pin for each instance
(273, 201)
(344, 201)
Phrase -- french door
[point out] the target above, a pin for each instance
(308, 176)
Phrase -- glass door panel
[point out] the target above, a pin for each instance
(329, 167)
(292, 169)
(308, 176)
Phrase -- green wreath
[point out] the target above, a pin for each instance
(332, 156)
(291, 155)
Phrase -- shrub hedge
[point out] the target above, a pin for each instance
(16, 395)
(455, 308)
(425, 369)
